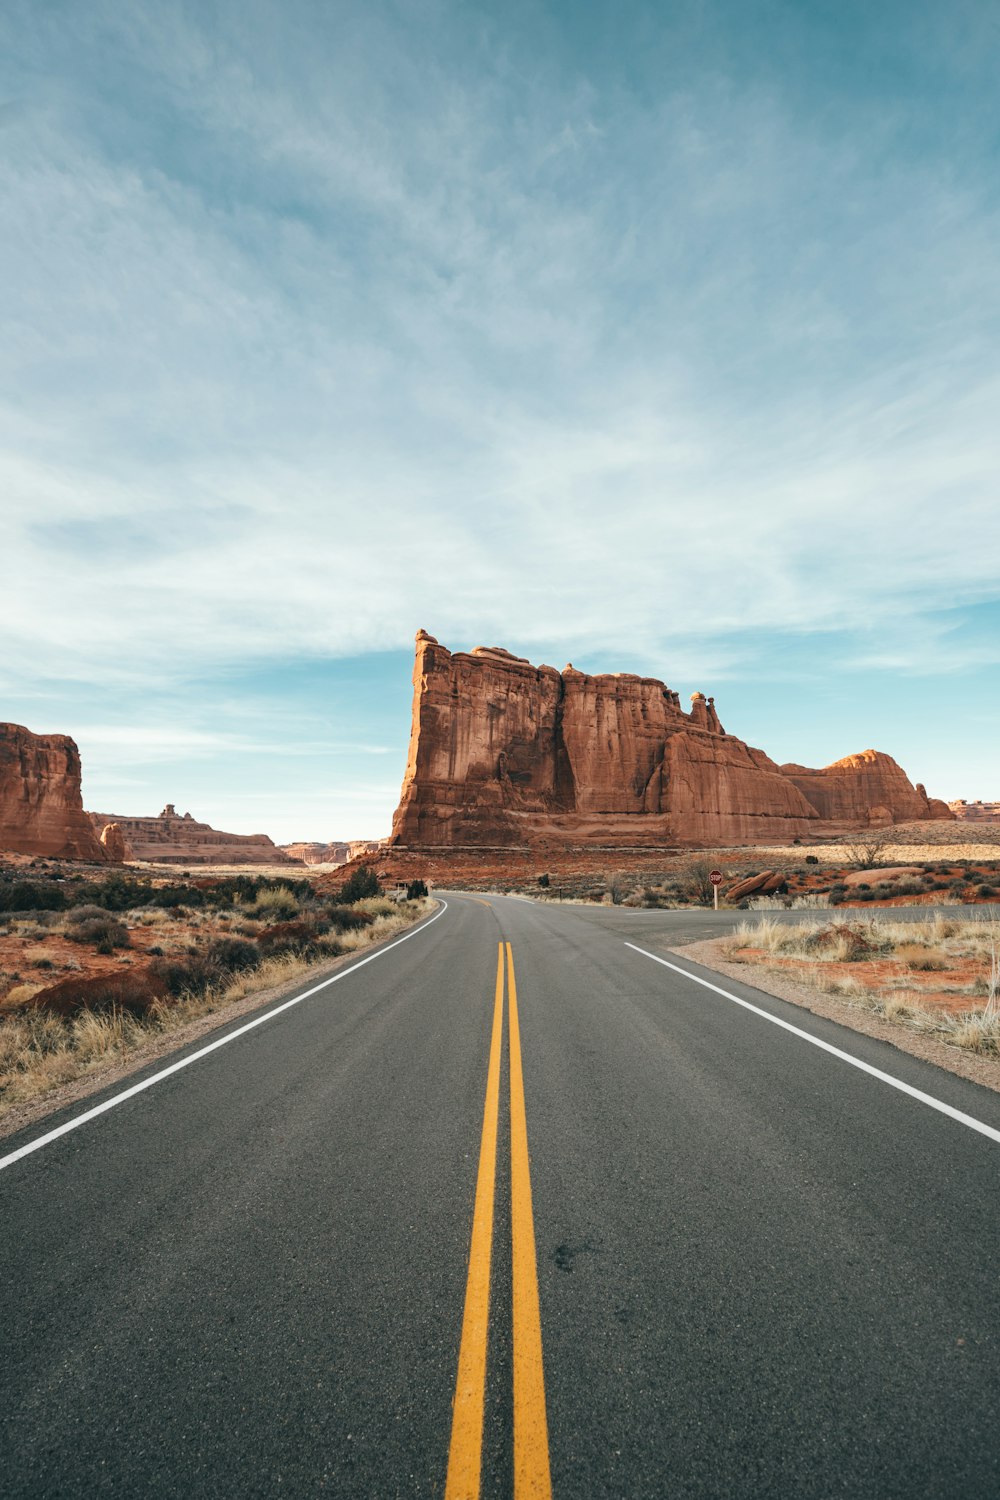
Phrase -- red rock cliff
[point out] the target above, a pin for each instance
(866, 788)
(41, 806)
(504, 753)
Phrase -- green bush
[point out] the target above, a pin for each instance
(31, 895)
(363, 882)
(233, 955)
(417, 889)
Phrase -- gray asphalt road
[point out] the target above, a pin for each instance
(761, 1271)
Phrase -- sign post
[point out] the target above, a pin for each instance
(715, 876)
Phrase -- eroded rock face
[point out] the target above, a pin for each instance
(866, 788)
(504, 754)
(116, 845)
(41, 805)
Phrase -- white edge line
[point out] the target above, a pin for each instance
(147, 1083)
(855, 1062)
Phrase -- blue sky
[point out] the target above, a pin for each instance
(653, 337)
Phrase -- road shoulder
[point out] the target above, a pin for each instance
(709, 954)
(20, 1116)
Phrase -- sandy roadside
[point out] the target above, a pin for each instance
(983, 1070)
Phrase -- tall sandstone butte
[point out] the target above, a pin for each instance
(504, 754)
(41, 804)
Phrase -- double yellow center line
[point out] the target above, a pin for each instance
(531, 1437)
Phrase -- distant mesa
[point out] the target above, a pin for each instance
(41, 804)
(173, 839)
(976, 812)
(505, 755)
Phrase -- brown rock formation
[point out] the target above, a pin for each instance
(867, 788)
(886, 875)
(41, 806)
(504, 754)
(174, 840)
(764, 884)
(115, 844)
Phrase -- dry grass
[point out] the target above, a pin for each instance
(938, 944)
(921, 956)
(40, 1051)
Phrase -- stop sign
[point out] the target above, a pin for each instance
(715, 876)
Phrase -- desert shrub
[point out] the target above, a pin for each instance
(134, 993)
(363, 882)
(986, 890)
(417, 889)
(842, 942)
(86, 913)
(232, 955)
(175, 896)
(696, 884)
(345, 919)
(31, 895)
(907, 886)
(273, 901)
(867, 851)
(543, 881)
(104, 931)
(290, 937)
(918, 956)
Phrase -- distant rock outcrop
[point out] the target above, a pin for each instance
(332, 853)
(41, 805)
(175, 840)
(318, 854)
(975, 812)
(504, 754)
(116, 846)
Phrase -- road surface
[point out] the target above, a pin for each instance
(659, 1246)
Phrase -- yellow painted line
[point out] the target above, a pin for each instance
(532, 1480)
(465, 1454)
